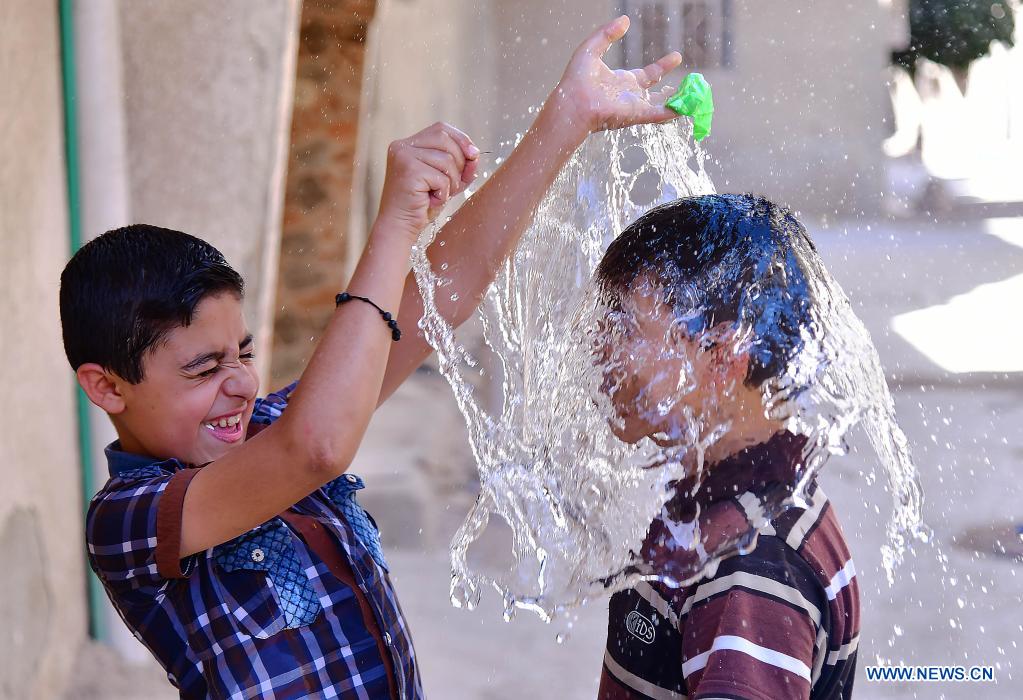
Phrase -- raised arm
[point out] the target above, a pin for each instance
(316, 438)
(485, 230)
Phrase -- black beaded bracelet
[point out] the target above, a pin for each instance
(391, 323)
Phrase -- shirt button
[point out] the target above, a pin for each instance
(387, 638)
(351, 478)
(257, 555)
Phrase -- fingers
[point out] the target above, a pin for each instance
(439, 141)
(425, 171)
(465, 143)
(446, 163)
(444, 137)
(471, 169)
(661, 96)
(437, 185)
(600, 41)
(653, 73)
(467, 157)
(656, 112)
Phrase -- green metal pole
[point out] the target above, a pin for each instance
(97, 628)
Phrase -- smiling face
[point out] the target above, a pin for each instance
(199, 388)
(658, 378)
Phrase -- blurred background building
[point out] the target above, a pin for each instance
(262, 127)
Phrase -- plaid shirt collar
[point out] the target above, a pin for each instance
(119, 461)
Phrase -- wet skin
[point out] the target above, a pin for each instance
(659, 378)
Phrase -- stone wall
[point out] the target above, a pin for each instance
(43, 605)
(319, 181)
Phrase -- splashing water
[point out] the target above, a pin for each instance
(577, 500)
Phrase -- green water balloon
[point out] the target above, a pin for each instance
(694, 99)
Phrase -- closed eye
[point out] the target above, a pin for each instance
(248, 356)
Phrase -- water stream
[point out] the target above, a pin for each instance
(570, 500)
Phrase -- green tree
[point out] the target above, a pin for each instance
(955, 33)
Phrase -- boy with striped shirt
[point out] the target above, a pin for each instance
(780, 620)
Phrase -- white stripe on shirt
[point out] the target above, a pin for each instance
(757, 583)
(843, 652)
(659, 604)
(755, 513)
(840, 580)
(728, 642)
(798, 532)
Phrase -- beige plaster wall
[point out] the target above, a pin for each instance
(43, 606)
(425, 62)
(799, 114)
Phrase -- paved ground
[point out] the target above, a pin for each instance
(947, 606)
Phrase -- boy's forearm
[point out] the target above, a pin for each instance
(316, 439)
(486, 229)
(337, 394)
(481, 235)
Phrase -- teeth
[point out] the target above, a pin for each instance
(225, 422)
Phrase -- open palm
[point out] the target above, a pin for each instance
(602, 98)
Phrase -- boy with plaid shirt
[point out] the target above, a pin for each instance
(228, 536)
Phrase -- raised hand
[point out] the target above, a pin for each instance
(424, 171)
(593, 97)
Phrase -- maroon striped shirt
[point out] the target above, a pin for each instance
(779, 622)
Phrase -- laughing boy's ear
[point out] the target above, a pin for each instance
(101, 386)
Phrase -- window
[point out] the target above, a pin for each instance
(700, 29)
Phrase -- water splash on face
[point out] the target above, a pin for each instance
(615, 407)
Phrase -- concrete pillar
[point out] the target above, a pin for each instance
(208, 92)
(181, 122)
(102, 150)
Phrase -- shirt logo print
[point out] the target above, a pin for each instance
(640, 627)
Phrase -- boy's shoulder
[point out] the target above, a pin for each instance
(771, 623)
(738, 494)
(803, 547)
(270, 407)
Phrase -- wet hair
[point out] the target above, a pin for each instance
(124, 291)
(723, 258)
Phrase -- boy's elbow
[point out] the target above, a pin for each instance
(320, 459)
(325, 461)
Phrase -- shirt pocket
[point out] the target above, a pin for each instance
(263, 583)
